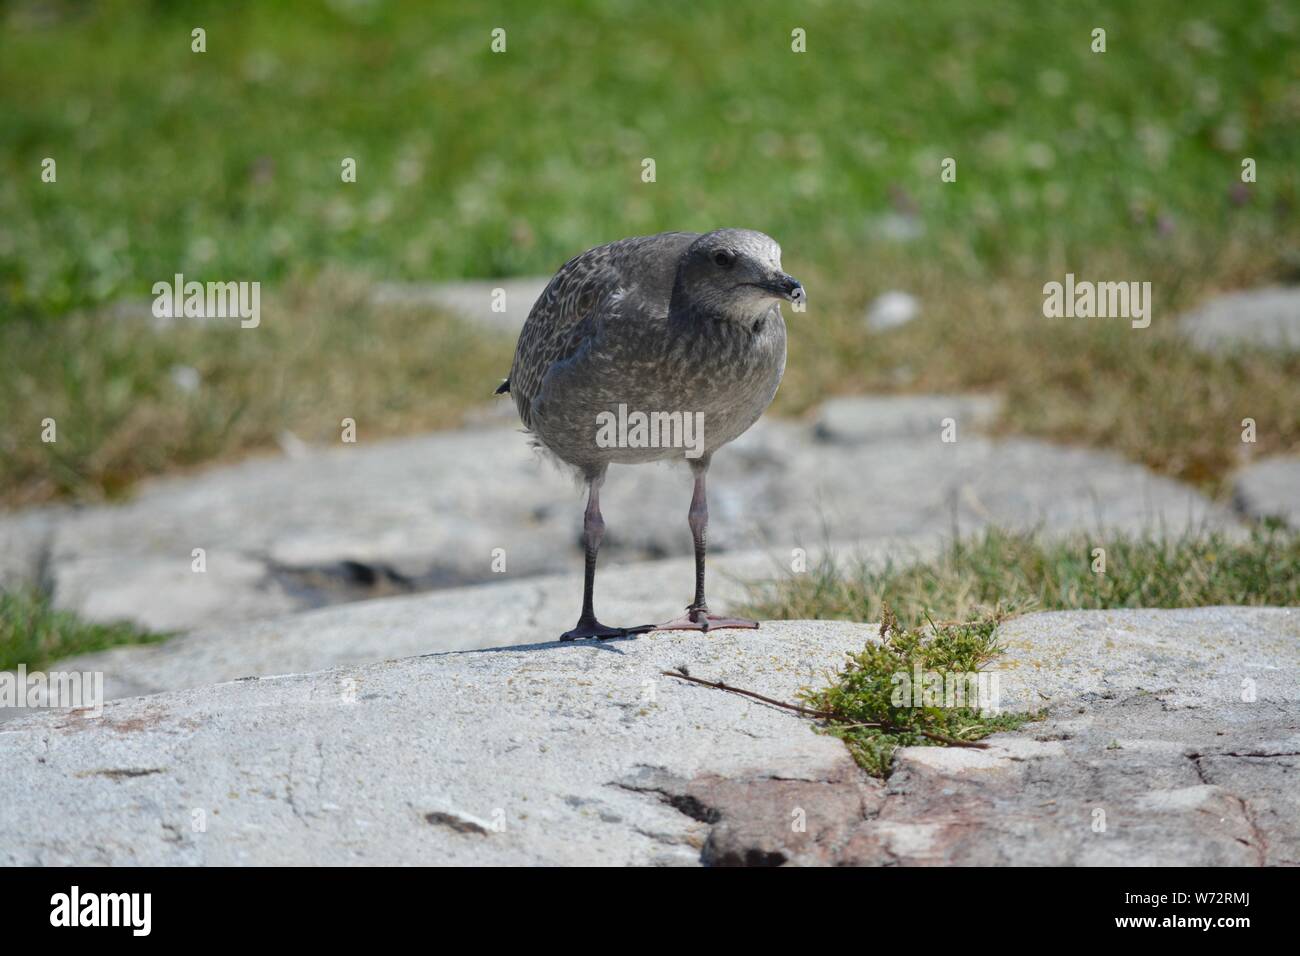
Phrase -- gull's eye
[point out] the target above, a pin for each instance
(724, 259)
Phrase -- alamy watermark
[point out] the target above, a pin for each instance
(651, 430)
(83, 690)
(213, 300)
(978, 690)
(133, 911)
(1103, 300)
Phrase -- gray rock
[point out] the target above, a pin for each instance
(161, 592)
(892, 310)
(472, 300)
(535, 609)
(1270, 488)
(859, 419)
(283, 534)
(587, 754)
(1267, 318)
(25, 539)
(327, 525)
(186, 378)
(896, 227)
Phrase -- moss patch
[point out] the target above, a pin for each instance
(879, 704)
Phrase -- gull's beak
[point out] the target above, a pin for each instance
(789, 288)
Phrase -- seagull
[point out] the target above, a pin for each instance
(679, 329)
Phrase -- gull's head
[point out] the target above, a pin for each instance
(735, 273)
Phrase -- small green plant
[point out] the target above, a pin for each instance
(34, 633)
(878, 707)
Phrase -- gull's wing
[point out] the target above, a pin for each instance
(622, 281)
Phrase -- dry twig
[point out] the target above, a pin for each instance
(823, 714)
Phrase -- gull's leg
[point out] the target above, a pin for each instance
(593, 530)
(697, 616)
(698, 519)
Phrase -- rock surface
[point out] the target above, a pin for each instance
(1177, 730)
(24, 548)
(1270, 488)
(862, 419)
(477, 301)
(535, 609)
(1267, 318)
(379, 518)
(892, 310)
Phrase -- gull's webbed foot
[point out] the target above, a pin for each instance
(699, 619)
(593, 629)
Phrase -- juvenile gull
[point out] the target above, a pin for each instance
(673, 324)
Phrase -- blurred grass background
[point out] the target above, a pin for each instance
(225, 166)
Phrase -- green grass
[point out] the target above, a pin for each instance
(225, 165)
(870, 690)
(33, 633)
(1006, 573)
(472, 163)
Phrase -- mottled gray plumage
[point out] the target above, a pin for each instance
(672, 323)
